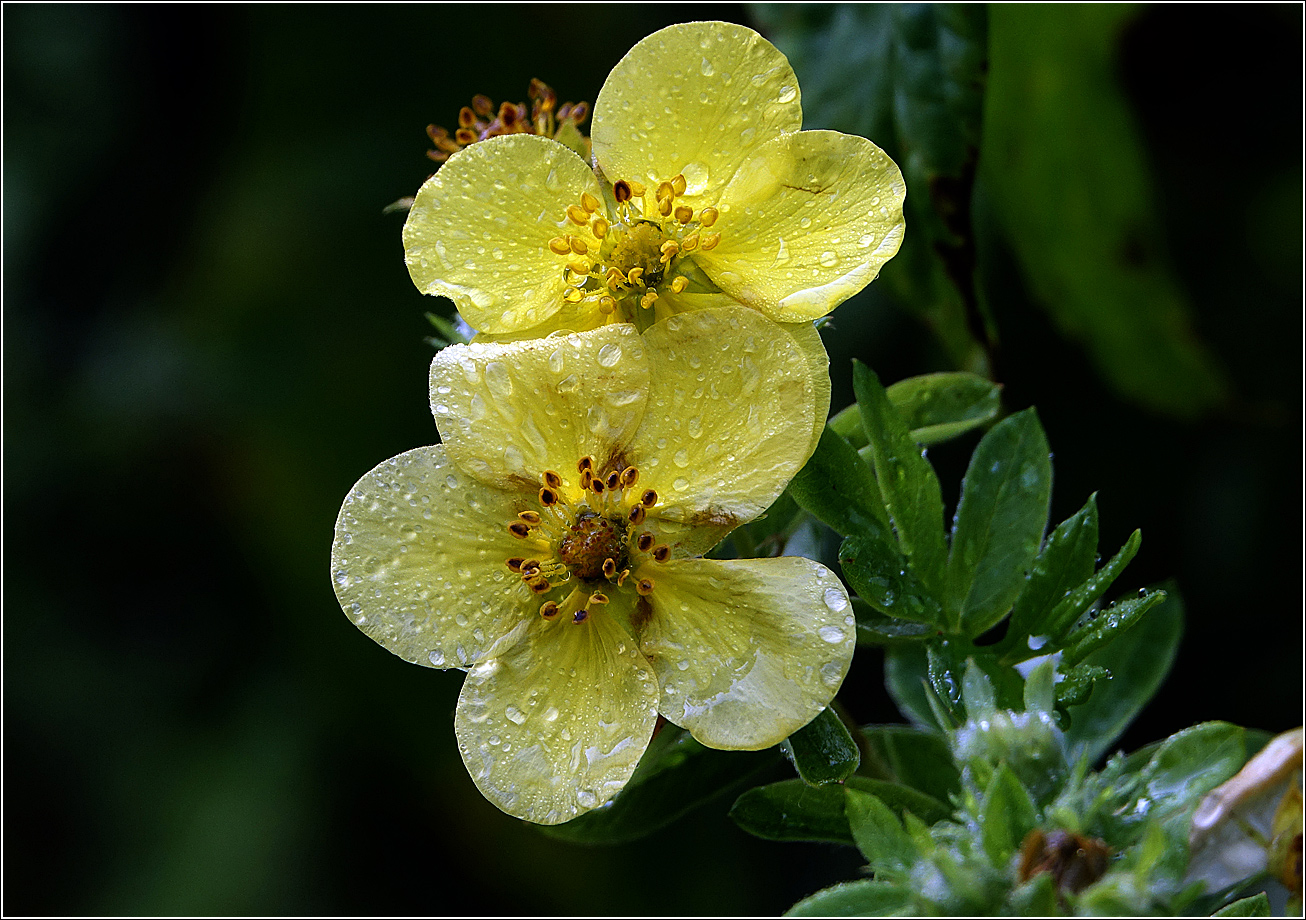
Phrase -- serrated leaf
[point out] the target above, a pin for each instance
(1075, 604)
(883, 578)
(1138, 663)
(823, 751)
(879, 834)
(1107, 626)
(675, 776)
(1067, 560)
(1078, 682)
(876, 629)
(915, 758)
(838, 489)
(938, 407)
(1000, 520)
(908, 485)
(862, 898)
(1006, 815)
(1191, 763)
(1258, 905)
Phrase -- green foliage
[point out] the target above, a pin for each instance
(823, 751)
(936, 407)
(1257, 905)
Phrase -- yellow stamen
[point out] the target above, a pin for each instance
(637, 189)
(572, 295)
(519, 530)
(548, 498)
(552, 479)
(609, 568)
(600, 228)
(689, 243)
(664, 207)
(636, 274)
(559, 245)
(661, 552)
(649, 499)
(577, 245)
(684, 214)
(629, 476)
(577, 215)
(707, 217)
(678, 184)
(549, 609)
(585, 463)
(622, 191)
(644, 586)
(530, 517)
(589, 202)
(648, 299)
(637, 514)
(679, 283)
(644, 541)
(710, 240)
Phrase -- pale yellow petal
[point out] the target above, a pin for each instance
(746, 651)
(555, 726)
(418, 560)
(479, 230)
(508, 412)
(694, 99)
(732, 403)
(809, 344)
(806, 224)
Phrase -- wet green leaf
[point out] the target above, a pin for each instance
(862, 898)
(1000, 521)
(838, 488)
(1067, 174)
(793, 810)
(903, 798)
(1138, 663)
(876, 629)
(1107, 626)
(882, 577)
(879, 834)
(912, 757)
(676, 775)
(1075, 604)
(1067, 560)
(1258, 905)
(906, 677)
(907, 482)
(938, 407)
(823, 751)
(1193, 762)
(1006, 815)
(1036, 898)
(1078, 682)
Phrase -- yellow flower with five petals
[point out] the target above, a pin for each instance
(703, 192)
(551, 547)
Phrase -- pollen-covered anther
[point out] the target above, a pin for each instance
(466, 117)
(664, 207)
(665, 192)
(670, 249)
(684, 213)
(515, 563)
(637, 188)
(648, 299)
(577, 244)
(549, 610)
(609, 568)
(573, 295)
(607, 305)
(661, 553)
(621, 579)
(589, 202)
(644, 586)
(621, 191)
(636, 275)
(559, 246)
(679, 283)
(649, 498)
(707, 217)
(578, 267)
(710, 240)
(519, 529)
(644, 542)
(540, 586)
(551, 480)
(629, 476)
(612, 480)
(577, 215)
(530, 517)
(689, 243)
(599, 228)
(637, 514)
(596, 485)
(584, 463)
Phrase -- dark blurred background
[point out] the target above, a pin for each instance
(209, 335)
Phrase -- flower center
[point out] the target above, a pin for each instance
(621, 260)
(585, 539)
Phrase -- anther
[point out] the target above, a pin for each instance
(530, 517)
(519, 529)
(579, 267)
(607, 304)
(678, 184)
(644, 586)
(661, 553)
(589, 202)
(669, 250)
(597, 486)
(549, 610)
(465, 136)
(581, 615)
(609, 568)
(530, 565)
(599, 228)
(621, 191)
(508, 114)
(579, 112)
(637, 189)
(629, 476)
(559, 246)
(679, 283)
(552, 479)
(644, 542)
(637, 514)
(710, 240)
(577, 215)
(466, 117)
(483, 106)
(621, 579)
(573, 295)
(548, 498)
(648, 299)
(649, 498)
(707, 217)
(636, 274)
(515, 563)
(665, 192)
(612, 480)
(597, 599)
(578, 245)
(586, 477)
(689, 243)
(684, 214)
(585, 463)
(664, 207)
(540, 586)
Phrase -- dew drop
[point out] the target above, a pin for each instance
(437, 658)
(498, 379)
(829, 259)
(866, 240)
(787, 94)
(706, 68)
(696, 177)
(609, 355)
(832, 634)
(555, 361)
(515, 715)
(551, 714)
(782, 256)
(835, 599)
(551, 181)
(681, 484)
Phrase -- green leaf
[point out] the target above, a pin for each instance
(1077, 683)
(907, 482)
(676, 775)
(915, 758)
(1258, 905)
(823, 751)
(793, 810)
(1036, 898)
(1006, 815)
(879, 834)
(938, 407)
(1067, 613)
(903, 798)
(906, 677)
(1138, 663)
(1068, 558)
(881, 576)
(847, 424)
(1108, 626)
(1066, 170)
(862, 898)
(837, 487)
(1191, 763)
(874, 628)
(1000, 521)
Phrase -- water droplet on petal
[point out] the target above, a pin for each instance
(696, 177)
(706, 68)
(835, 599)
(609, 355)
(829, 259)
(787, 94)
(498, 379)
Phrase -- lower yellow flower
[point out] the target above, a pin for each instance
(551, 548)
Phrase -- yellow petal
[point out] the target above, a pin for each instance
(479, 230)
(806, 224)
(418, 561)
(693, 99)
(508, 412)
(732, 403)
(746, 651)
(809, 344)
(555, 726)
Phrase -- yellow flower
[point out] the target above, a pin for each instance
(551, 548)
(704, 192)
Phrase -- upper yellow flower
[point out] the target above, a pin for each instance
(550, 547)
(703, 192)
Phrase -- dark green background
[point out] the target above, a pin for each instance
(210, 335)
